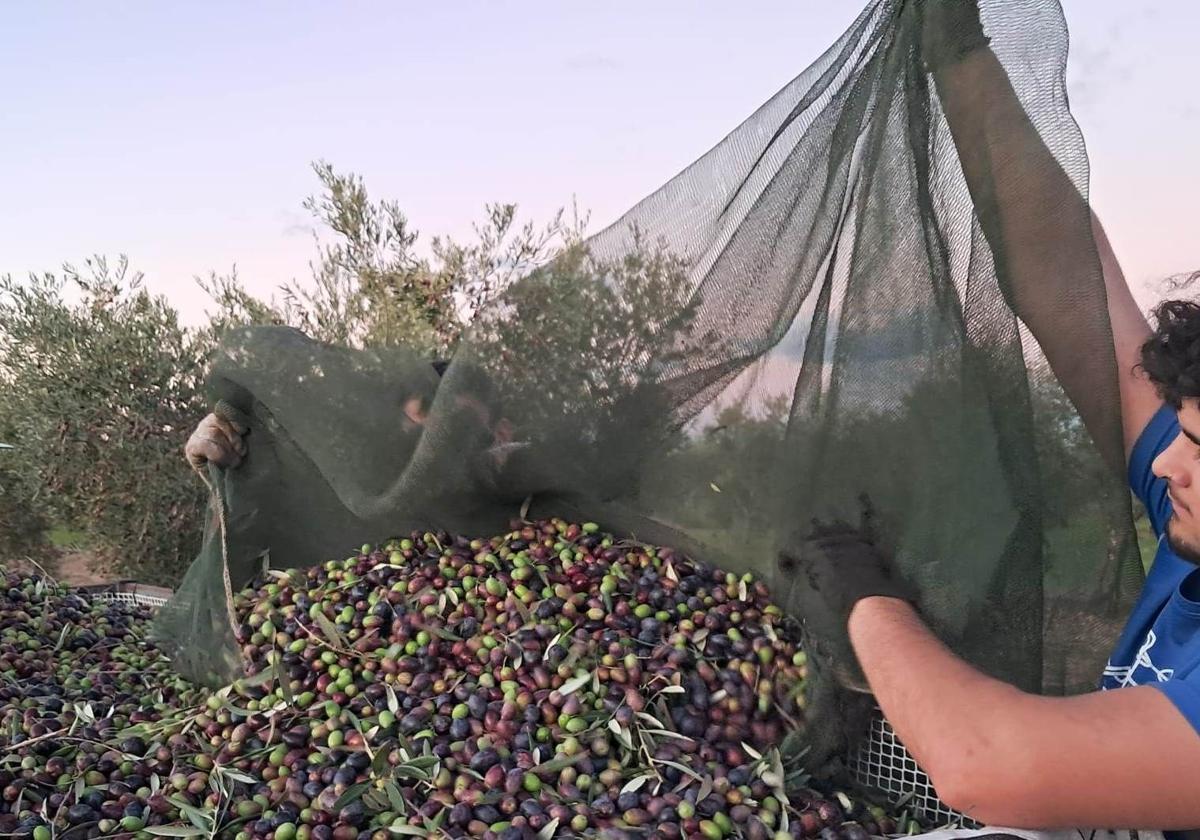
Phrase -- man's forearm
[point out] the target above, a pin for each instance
(945, 712)
(1013, 759)
(1038, 225)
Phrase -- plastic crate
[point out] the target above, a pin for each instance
(881, 763)
(128, 592)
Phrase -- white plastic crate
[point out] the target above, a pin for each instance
(128, 592)
(883, 764)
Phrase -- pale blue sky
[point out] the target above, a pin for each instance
(181, 134)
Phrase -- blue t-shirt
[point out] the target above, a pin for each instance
(1160, 645)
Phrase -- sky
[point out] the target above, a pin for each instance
(182, 134)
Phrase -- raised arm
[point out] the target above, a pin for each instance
(1047, 243)
(1139, 398)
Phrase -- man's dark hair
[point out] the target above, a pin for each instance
(1171, 357)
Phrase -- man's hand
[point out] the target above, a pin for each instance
(837, 566)
(823, 577)
(216, 441)
(950, 29)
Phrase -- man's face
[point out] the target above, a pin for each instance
(1179, 464)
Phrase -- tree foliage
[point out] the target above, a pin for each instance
(99, 386)
(101, 383)
(371, 286)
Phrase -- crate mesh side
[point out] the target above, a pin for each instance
(882, 763)
(132, 598)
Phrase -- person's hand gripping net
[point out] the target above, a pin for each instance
(950, 30)
(834, 567)
(219, 440)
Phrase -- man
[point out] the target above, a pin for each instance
(1127, 756)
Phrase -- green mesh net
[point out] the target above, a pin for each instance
(835, 299)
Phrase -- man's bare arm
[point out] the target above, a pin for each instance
(1037, 223)
(1124, 758)
(1139, 398)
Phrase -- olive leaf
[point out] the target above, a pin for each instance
(635, 784)
(395, 798)
(410, 772)
(239, 776)
(555, 765)
(237, 710)
(261, 678)
(285, 689)
(436, 823)
(380, 762)
(175, 831)
(575, 683)
(329, 629)
(62, 637)
(375, 801)
(669, 734)
(352, 794)
(422, 762)
(682, 768)
(197, 817)
(82, 710)
(651, 719)
(526, 615)
(622, 734)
